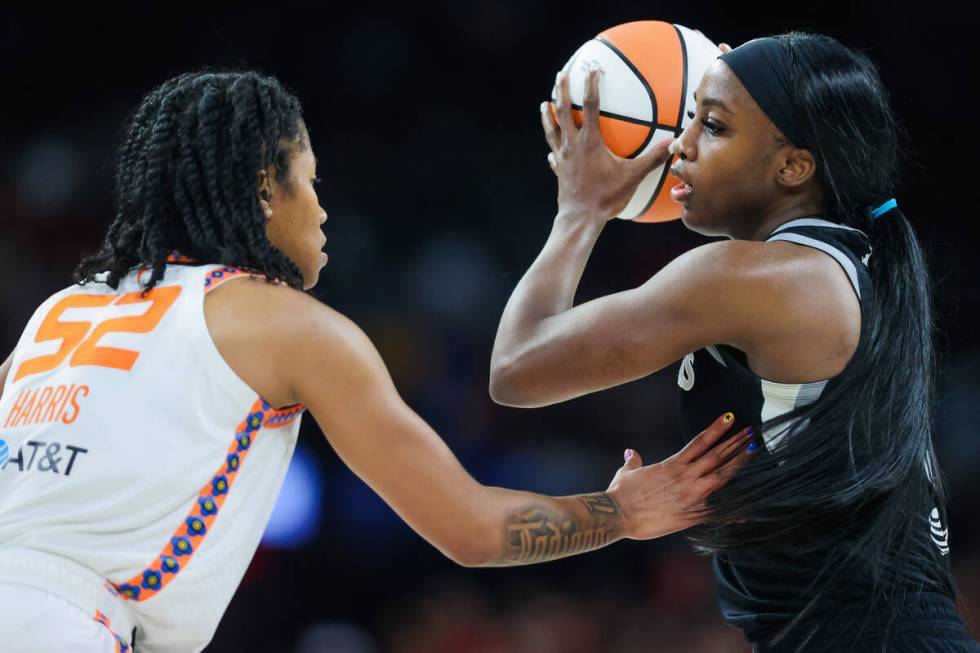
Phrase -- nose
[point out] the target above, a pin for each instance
(681, 147)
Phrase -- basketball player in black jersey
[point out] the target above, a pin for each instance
(812, 319)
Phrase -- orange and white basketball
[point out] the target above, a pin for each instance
(650, 72)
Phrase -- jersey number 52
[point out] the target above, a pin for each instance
(81, 341)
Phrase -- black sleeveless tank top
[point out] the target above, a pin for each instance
(762, 598)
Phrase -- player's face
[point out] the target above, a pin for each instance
(294, 212)
(729, 158)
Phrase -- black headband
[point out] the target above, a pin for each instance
(762, 68)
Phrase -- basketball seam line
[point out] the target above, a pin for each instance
(634, 121)
(646, 87)
(680, 121)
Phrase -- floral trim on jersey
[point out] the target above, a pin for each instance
(121, 645)
(190, 534)
(218, 276)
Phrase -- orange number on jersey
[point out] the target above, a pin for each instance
(70, 333)
(87, 351)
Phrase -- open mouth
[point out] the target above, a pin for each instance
(682, 191)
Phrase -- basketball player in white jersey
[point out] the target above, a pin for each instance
(149, 412)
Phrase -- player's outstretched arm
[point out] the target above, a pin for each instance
(330, 365)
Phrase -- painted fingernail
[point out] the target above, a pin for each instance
(752, 446)
(728, 418)
(751, 431)
(627, 455)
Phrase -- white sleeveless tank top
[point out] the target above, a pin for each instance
(128, 445)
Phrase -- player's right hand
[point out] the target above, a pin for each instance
(668, 496)
(592, 181)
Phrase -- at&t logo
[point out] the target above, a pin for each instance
(4, 451)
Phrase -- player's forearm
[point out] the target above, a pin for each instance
(546, 290)
(533, 528)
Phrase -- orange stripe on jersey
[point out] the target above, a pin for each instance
(121, 645)
(173, 257)
(193, 529)
(177, 257)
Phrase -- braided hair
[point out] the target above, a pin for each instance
(186, 177)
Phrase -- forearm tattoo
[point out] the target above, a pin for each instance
(538, 534)
(600, 502)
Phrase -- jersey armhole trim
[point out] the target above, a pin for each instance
(212, 279)
(838, 255)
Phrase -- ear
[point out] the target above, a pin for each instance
(265, 193)
(797, 168)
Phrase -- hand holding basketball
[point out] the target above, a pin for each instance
(591, 179)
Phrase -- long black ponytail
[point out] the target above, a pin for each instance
(849, 484)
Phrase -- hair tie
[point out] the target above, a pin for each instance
(884, 208)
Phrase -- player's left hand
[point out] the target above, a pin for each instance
(592, 181)
(669, 496)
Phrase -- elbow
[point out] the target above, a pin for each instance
(506, 384)
(501, 387)
(472, 562)
(470, 554)
(473, 543)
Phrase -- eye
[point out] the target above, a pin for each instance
(712, 127)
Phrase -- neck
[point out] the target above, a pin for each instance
(781, 213)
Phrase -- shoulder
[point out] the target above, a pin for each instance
(746, 267)
(734, 273)
(274, 314)
(757, 290)
(269, 333)
(748, 260)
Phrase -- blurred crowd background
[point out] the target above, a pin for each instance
(425, 119)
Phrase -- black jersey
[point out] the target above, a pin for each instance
(762, 598)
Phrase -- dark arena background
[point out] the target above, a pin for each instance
(425, 119)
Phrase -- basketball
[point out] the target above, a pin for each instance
(650, 72)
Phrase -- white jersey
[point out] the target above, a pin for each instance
(129, 446)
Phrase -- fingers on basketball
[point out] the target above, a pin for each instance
(656, 156)
(563, 108)
(590, 107)
(551, 134)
